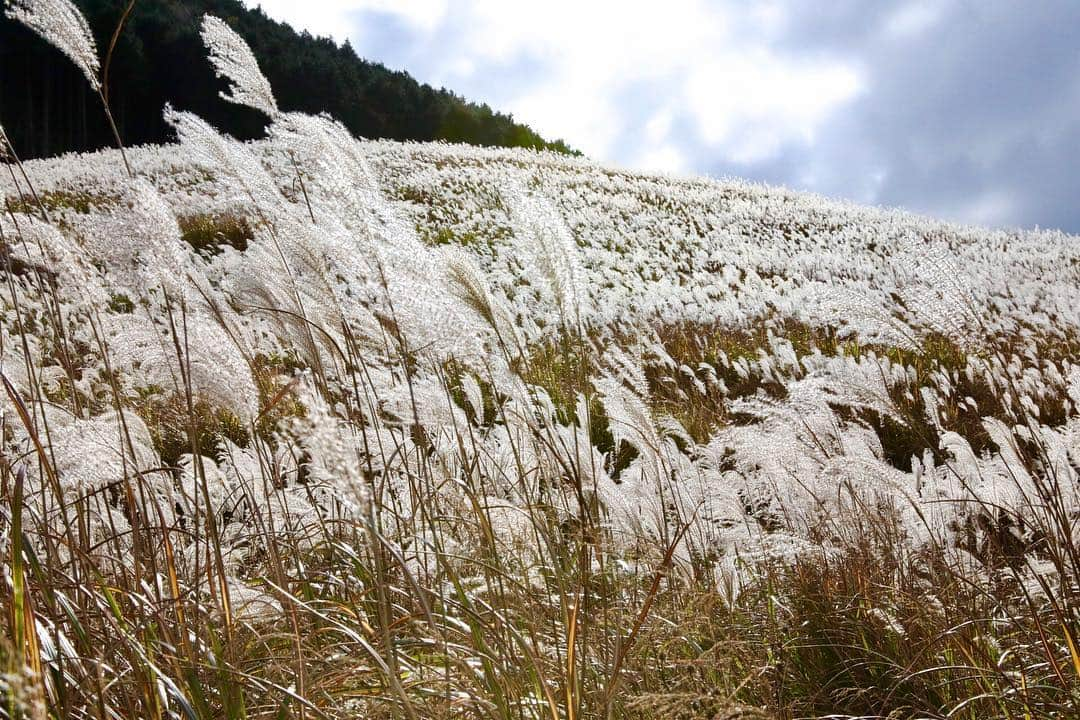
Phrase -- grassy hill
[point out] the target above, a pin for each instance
(320, 427)
(47, 108)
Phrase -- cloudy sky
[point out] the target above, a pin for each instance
(965, 109)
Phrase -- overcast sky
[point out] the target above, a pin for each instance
(964, 109)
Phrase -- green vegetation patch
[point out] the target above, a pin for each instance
(79, 201)
(208, 233)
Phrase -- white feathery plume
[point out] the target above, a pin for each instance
(138, 243)
(227, 156)
(628, 414)
(45, 248)
(90, 455)
(864, 314)
(552, 253)
(937, 295)
(335, 170)
(233, 60)
(467, 282)
(213, 365)
(623, 394)
(61, 24)
(335, 449)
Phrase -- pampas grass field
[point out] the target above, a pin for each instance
(319, 427)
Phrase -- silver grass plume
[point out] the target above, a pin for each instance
(552, 252)
(225, 156)
(138, 243)
(335, 449)
(61, 24)
(937, 295)
(467, 282)
(211, 365)
(623, 392)
(233, 60)
(862, 314)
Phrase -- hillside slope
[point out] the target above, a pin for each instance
(724, 286)
(656, 250)
(710, 358)
(47, 108)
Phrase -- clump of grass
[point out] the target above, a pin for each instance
(447, 236)
(171, 425)
(121, 304)
(563, 367)
(277, 402)
(867, 626)
(726, 350)
(80, 201)
(208, 233)
(732, 352)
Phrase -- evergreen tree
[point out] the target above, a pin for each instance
(47, 107)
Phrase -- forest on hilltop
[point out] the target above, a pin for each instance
(47, 108)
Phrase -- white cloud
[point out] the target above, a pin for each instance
(336, 18)
(666, 158)
(712, 61)
(993, 208)
(604, 71)
(914, 18)
(750, 105)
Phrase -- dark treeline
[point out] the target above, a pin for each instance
(47, 107)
